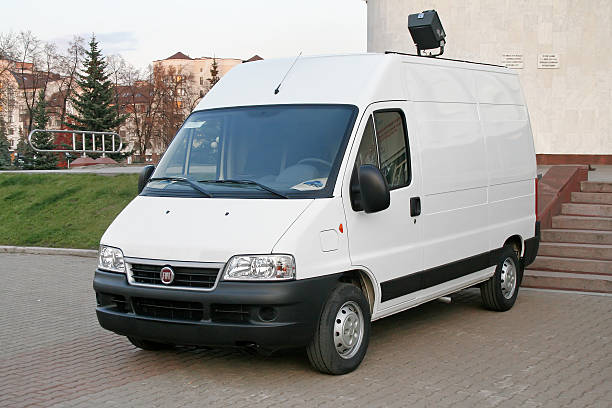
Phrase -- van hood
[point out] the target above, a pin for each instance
(201, 229)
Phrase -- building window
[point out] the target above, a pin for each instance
(201, 80)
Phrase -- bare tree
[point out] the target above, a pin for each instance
(34, 66)
(69, 65)
(138, 99)
(8, 46)
(117, 69)
(174, 99)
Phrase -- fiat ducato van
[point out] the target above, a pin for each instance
(295, 213)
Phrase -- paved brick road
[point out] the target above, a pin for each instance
(551, 350)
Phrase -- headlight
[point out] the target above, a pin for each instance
(111, 259)
(260, 268)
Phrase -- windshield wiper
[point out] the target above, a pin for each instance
(247, 182)
(185, 180)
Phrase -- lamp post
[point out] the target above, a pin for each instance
(68, 157)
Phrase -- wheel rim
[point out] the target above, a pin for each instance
(348, 329)
(508, 278)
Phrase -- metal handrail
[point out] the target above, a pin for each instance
(83, 133)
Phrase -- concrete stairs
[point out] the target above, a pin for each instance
(576, 253)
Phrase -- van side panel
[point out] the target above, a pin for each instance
(496, 88)
(477, 159)
(432, 83)
(510, 157)
(453, 163)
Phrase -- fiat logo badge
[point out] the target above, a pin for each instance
(166, 275)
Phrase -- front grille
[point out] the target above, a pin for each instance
(168, 309)
(202, 278)
(230, 313)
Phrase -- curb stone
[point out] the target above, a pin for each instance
(7, 249)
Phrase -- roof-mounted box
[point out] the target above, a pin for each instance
(427, 32)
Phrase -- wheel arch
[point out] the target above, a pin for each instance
(516, 241)
(363, 281)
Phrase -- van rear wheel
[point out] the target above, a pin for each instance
(148, 344)
(501, 290)
(343, 333)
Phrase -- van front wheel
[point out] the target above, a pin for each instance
(343, 333)
(500, 291)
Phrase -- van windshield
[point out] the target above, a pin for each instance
(275, 151)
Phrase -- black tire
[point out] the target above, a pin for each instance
(322, 351)
(493, 296)
(148, 344)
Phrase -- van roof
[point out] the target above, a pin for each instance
(355, 79)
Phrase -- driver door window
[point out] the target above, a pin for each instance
(368, 151)
(383, 145)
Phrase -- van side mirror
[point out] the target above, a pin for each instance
(144, 177)
(373, 188)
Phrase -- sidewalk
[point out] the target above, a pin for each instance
(549, 350)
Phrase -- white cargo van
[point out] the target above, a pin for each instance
(293, 216)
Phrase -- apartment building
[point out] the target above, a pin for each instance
(19, 87)
(198, 69)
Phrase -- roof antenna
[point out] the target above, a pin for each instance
(277, 90)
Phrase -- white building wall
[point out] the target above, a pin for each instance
(570, 106)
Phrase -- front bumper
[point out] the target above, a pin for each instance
(271, 315)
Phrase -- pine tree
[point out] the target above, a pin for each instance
(5, 155)
(94, 104)
(214, 73)
(42, 140)
(25, 154)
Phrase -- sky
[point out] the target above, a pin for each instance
(144, 31)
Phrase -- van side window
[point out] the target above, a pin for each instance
(391, 137)
(368, 152)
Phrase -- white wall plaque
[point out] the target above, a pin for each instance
(514, 61)
(548, 61)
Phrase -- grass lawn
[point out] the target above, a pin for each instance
(61, 210)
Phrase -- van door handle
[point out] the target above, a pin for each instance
(415, 206)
